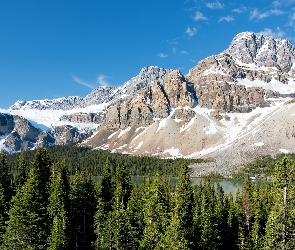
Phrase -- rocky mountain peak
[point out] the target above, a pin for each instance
(252, 48)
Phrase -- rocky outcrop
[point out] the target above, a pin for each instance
(21, 134)
(262, 50)
(64, 103)
(152, 102)
(100, 95)
(6, 123)
(66, 134)
(96, 118)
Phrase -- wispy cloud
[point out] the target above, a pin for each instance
(191, 32)
(174, 50)
(278, 3)
(269, 32)
(78, 80)
(214, 5)
(256, 14)
(162, 55)
(199, 16)
(226, 18)
(192, 60)
(292, 19)
(101, 79)
(183, 52)
(240, 10)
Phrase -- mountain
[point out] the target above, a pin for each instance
(237, 103)
(68, 119)
(99, 95)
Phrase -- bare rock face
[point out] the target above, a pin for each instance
(66, 134)
(266, 51)
(155, 101)
(84, 117)
(215, 84)
(6, 123)
(22, 135)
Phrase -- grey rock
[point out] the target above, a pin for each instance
(66, 134)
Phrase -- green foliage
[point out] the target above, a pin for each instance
(22, 171)
(5, 178)
(56, 205)
(59, 208)
(80, 158)
(83, 204)
(155, 212)
(179, 234)
(28, 220)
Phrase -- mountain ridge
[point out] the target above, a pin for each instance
(219, 106)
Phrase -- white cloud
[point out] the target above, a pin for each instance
(183, 52)
(278, 3)
(192, 60)
(240, 10)
(191, 32)
(199, 16)
(292, 20)
(101, 79)
(162, 55)
(214, 5)
(269, 32)
(256, 14)
(77, 80)
(174, 50)
(226, 18)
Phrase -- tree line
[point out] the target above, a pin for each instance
(45, 207)
(79, 158)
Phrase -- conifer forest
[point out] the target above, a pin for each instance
(50, 199)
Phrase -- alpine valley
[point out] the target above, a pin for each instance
(231, 108)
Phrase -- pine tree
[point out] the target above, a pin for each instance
(135, 217)
(116, 231)
(210, 235)
(105, 193)
(155, 215)
(82, 199)
(27, 225)
(280, 226)
(3, 216)
(256, 230)
(5, 178)
(21, 176)
(59, 208)
(179, 234)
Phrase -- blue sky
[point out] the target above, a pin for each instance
(51, 49)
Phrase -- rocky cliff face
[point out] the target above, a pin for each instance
(249, 57)
(150, 103)
(263, 51)
(65, 103)
(67, 134)
(17, 133)
(100, 95)
(96, 118)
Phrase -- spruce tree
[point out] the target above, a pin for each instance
(21, 176)
(105, 194)
(179, 234)
(209, 234)
(280, 228)
(155, 211)
(5, 178)
(27, 225)
(82, 199)
(3, 215)
(59, 208)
